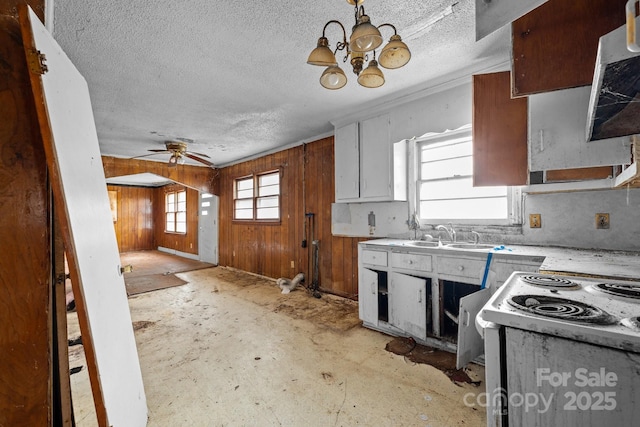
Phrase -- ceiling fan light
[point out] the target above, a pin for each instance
(333, 78)
(371, 76)
(173, 160)
(322, 55)
(395, 54)
(365, 36)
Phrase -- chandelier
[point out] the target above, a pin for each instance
(365, 37)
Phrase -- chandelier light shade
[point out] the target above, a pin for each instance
(365, 38)
(333, 78)
(372, 75)
(322, 55)
(395, 54)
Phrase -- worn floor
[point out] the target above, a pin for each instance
(228, 349)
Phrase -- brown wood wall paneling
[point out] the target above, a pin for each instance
(134, 225)
(268, 249)
(187, 242)
(25, 236)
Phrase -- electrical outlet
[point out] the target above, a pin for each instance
(602, 221)
(535, 221)
(293, 264)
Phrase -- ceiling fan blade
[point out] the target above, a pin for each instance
(198, 154)
(157, 150)
(198, 159)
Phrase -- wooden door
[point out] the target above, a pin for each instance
(80, 197)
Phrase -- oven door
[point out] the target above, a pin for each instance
(553, 381)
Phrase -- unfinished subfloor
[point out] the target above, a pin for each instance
(228, 349)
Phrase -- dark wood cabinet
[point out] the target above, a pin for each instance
(555, 45)
(499, 132)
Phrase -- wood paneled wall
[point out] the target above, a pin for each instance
(134, 225)
(187, 242)
(25, 239)
(307, 186)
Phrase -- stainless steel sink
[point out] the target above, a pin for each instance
(471, 246)
(423, 243)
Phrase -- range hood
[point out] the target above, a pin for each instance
(614, 105)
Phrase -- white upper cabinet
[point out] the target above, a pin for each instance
(347, 162)
(557, 137)
(368, 166)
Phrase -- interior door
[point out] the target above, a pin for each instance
(208, 228)
(80, 197)
(470, 343)
(408, 304)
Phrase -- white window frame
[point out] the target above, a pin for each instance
(513, 194)
(175, 212)
(265, 198)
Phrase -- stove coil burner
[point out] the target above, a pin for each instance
(548, 281)
(620, 289)
(560, 308)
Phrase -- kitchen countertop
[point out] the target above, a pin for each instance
(623, 265)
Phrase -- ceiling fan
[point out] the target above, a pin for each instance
(178, 151)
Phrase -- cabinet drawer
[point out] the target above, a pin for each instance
(411, 261)
(374, 257)
(461, 267)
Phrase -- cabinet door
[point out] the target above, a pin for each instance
(555, 45)
(408, 304)
(557, 136)
(368, 296)
(470, 342)
(375, 158)
(499, 132)
(347, 163)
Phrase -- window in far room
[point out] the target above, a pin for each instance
(257, 197)
(176, 212)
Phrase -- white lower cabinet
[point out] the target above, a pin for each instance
(431, 294)
(408, 304)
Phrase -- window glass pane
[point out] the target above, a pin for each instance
(457, 189)
(269, 179)
(491, 208)
(244, 184)
(203, 213)
(170, 223)
(267, 213)
(207, 195)
(443, 150)
(244, 204)
(206, 204)
(267, 202)
(182, 206)
(244, 194)
(461, 166)
(269, 190)
(182, 196)
(181, 217)
(244, 213)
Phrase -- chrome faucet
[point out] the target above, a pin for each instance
(451, 234)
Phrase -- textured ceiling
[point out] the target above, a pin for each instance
(231, 77)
